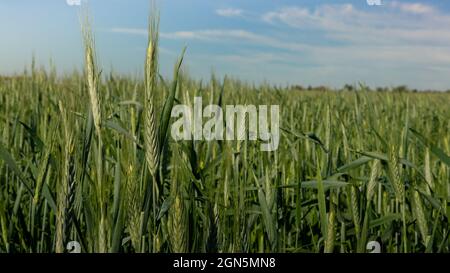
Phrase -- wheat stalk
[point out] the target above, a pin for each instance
(331, 229)
(92, 77)
(399, 188)
(66, 193)
(427, 170)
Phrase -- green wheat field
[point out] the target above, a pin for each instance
(88, 158)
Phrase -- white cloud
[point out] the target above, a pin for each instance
(395, 44)
(414, 8)
(321, 54)
(409, 40)
(205, 35)
(344, 22)
(229, 12)
(235, 36)
(212, 34)
(324, 16)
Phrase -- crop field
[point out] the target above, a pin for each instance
(87, 161)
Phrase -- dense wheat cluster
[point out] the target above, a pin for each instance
(89, 158)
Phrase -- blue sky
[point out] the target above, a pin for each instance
(310, 42)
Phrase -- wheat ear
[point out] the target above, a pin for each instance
(151, 71)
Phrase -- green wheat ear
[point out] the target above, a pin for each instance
(134, 205)
(394, 171)
(152, 149)
(178, 225)
(372, 184)
(91, 71)
(419, 213)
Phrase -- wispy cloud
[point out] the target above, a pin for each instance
(399, 42)
(318, 54)
(206, 35)
(229, 12)
(416, 22)
(414, 8)
(221, 35)
(235, 36)
(213, 34)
